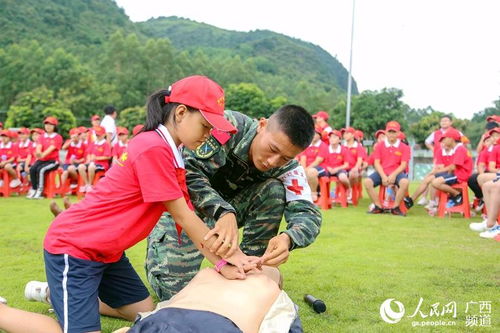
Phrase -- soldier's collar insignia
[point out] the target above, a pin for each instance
(208, 148)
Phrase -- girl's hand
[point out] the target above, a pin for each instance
(243, 262)
(231, 272)
(226, 230)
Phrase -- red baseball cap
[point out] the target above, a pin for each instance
(99, 130)
(201, 93)
(392, 126)
(401, 136)
(23, 130)
(379, 132)
(121, 130)
(451, 133)
(51, 120)
(37, 130)
(5, 133)
(95, 117)
(495, 118)
(321, 114)
(359, 134)
(83, 129)
(348, 129)
(336, 133)
(137, 129)
(494, 130)
(74, 131)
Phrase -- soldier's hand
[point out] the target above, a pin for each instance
(277, 251)
(226, 231)
(231, 272)
(244, 263)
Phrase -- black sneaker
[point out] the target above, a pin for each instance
(376, 210)
(457, 200)
(480, 205)
(397, 211)
(408, 202)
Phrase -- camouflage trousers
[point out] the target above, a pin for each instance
(171, 264)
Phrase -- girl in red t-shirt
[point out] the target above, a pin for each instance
(85, 263)
(75, 155)
(47, 154)
(8, 155)
(25, 153)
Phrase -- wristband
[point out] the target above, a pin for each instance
(218, 266)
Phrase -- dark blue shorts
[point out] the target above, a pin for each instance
(322, 172)
(449, 178)
(377, 180)
(66, 165)
(338, 173)
(175, 320)
(76, 284)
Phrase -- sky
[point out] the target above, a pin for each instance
(441, 53)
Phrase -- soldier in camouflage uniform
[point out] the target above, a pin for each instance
(251, 177)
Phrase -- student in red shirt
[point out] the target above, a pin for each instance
(24, 154)
(97, 159)
(337, 160)
(321, 121)
(391, 160)
(121, 146)
(75, 155)
(493, 159)
(356, 155)
(482, 166)
(311, 159)
(459, 169)
(87, 269)
(8, 156)
(47, 155)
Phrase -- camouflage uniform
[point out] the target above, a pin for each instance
(221, 179)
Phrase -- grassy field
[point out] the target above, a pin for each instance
(357, 262)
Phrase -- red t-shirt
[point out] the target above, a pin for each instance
(494, 156)
(362, 152)
(24, 149)
(101, 148)
(336, 157)
(319, 149)
(46, 141)
(462, 160)
(125, 205)
(76, 151)
(441, 156)
(7, 151)
(354, 151)
(391, 156)
(119, 148)
(484, 156)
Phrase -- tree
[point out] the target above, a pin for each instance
(248, 99)
(132, 116)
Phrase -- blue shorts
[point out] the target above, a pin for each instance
(66, 165)
(176, 320)
(377, 180)
(449, 178)
(338, 173)
(76, 284)
(322, 172)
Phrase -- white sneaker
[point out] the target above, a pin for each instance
(431, 204)
(423, 201)
(38, 194)
(479, 226)
(491, 232)
(73, 186)
(37, 291)
(30, 194)
(3, 300)
(15, 183)
(83, 188)
(89, 188)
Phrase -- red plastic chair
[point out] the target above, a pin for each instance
(53, 184)
(5, 189)
(388, 203)
(463, 209)
(325, 201)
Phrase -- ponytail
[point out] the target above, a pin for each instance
(157, 111)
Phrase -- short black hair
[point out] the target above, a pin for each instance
(296, 123)
(491, 125)
(109, 109)
(449, 116)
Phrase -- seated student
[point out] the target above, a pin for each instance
(391, 160)
(99, 154)
(24, 154)
(358, 136)
(74, 157)
(311, 158)
(443, 157)
(47, 155)
(459, 170)
(121, 146)
(481, 167)
(493, 159)
(356, 158)
(8, 156)
(209, 303)
(379, 137)
(337, 160)
(321, 122)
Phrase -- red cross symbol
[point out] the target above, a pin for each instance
(295, 187)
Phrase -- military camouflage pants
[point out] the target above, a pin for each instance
(170, 265)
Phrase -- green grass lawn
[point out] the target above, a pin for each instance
(357, 262)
